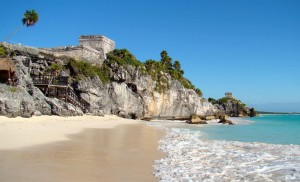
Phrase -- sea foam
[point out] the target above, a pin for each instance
(191, 158)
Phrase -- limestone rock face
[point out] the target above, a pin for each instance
(15, 102)
(233, 109)
(61, 108)
(196, 120)
(175, 103)
(113, 98)
(130, 93)
(24, 99)
(210, 117)
(18, 100)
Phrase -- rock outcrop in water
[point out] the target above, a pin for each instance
(130, 92)
(232, 107)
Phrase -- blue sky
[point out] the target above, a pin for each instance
(248, 47)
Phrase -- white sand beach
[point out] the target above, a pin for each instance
(23, 132)
(83, 148)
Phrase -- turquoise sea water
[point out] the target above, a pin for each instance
(255, 149)
(274, 129)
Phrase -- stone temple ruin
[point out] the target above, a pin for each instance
(228, 95)
(92, 48)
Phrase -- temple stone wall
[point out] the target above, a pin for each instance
(92, 48)
(98, 42)
(78, 52)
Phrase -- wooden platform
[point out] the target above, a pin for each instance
(58, 87)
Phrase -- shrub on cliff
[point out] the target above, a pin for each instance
(199, 92)
(154, 69)
(212, 100)
(56, 67)
(81, 69)
(3, 52)
(122, 57)
(225, 100)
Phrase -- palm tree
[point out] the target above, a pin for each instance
(30, 19)
(177, 65)
(166, 61)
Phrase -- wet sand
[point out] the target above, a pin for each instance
(123, 153)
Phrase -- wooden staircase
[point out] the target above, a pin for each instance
(58, 87)
(72, 98)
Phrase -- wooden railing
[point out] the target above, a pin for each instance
(49, 80)
(72, 97)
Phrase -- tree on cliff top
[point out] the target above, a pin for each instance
(166, 61)
(30, 18)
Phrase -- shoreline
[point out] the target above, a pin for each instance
(83, 148)
(22, 132)
(191, 157)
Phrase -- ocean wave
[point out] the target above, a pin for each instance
(190, 158)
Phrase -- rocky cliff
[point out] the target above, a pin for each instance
(24, 99)
(132, 94)
(129, 92)
(232, 107)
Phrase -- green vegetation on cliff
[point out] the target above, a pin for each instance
(123, 57)
(3, 51)
(81, 69)
(55, 68)
(160, 71)
(225, 100)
